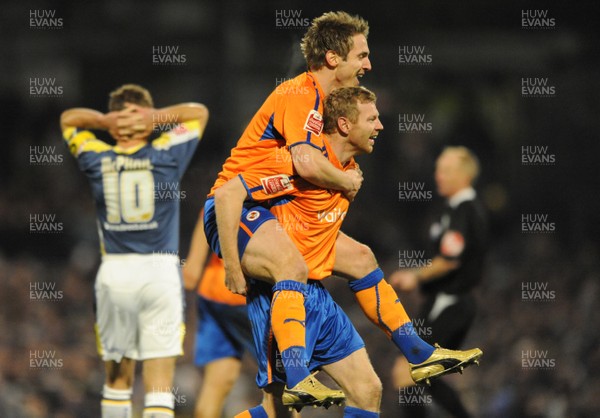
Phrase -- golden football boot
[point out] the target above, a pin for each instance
(443, 361)
(310, 391)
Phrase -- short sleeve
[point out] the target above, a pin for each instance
(454, 240)
(81, 141)
(180, 143)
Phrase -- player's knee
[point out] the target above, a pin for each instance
(364, 260)
(366, 254)
(373, 391)
(225, 383)
(374, 387)
(297, 270)
(366, 393)
(300, 272)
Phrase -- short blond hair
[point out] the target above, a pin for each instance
(129, 93)
(468, 160)
(343, 102)
(332, 31)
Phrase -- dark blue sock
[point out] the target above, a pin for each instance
(258, 412)
(295, 364)
(352, 412)
(412, 346)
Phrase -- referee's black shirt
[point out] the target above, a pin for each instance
(461, 235)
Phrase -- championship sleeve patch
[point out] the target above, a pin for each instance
(180, 129)
(314, 122)
(276, 184)
(452, 244)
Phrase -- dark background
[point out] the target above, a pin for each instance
(235, 54)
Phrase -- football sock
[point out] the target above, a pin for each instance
(352, 412)
(159, 405)
(256, 412)
(288, 318)
(116, 403)
(381, 305)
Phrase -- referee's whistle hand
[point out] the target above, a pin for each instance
(403, 280)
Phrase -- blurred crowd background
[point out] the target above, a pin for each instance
(234, 54)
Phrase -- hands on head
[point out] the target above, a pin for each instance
(132, 123)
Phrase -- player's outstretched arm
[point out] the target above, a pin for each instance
(439, 267)
(229, 200)
(196, 257)
(314, 167)
(407, 280)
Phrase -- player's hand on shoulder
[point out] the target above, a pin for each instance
(356, 178)
(357, 169)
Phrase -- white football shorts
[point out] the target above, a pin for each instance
(139, 307)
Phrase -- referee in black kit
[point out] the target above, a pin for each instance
(460, 240)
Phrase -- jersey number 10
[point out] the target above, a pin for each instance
(129, 196)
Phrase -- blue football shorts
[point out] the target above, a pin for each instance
(223, 331)
(330, 335)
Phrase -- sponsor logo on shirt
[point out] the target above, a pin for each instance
(331, 216)
(314, 122)
(276, 184)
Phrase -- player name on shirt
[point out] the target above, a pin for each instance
(136, 190)
(121, 162)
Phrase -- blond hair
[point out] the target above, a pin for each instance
(332, 31)
(468, 160)
(343, 102)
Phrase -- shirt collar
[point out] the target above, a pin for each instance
(462, 196)
(131, 150)
(312, 77)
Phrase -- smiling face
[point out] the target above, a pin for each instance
(351, 68)
(363, 132)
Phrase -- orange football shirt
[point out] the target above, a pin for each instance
(291, 115)
(312, 217)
